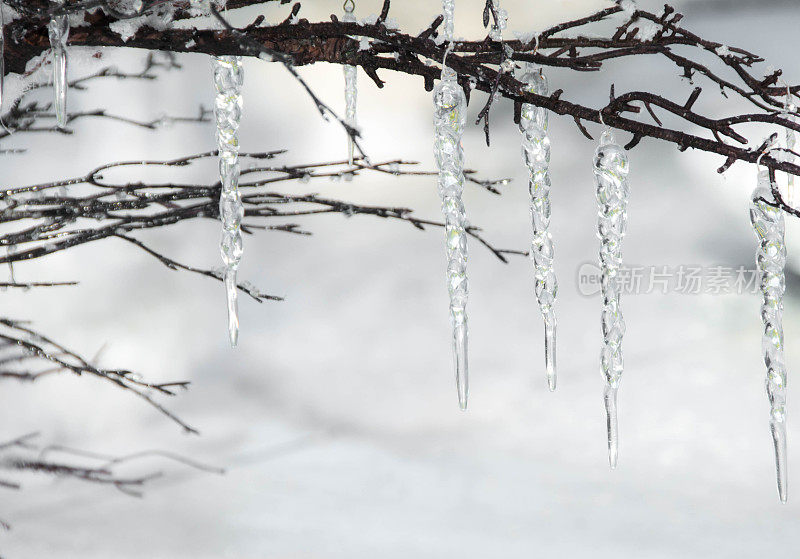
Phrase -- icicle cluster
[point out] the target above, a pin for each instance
(768, 223)
(59, 33)
(449, 122)
(350, 86)
(228, 79)
(536, 151)
(611, 178)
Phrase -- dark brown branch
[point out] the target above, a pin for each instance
(24, 455)
(24, 346)
(301, 43)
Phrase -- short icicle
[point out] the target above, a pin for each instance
(499, 21)
(228, 80)
(350, 87)
(59, 33)
(449, 122)
(768, 223)
(611, 178)
(536, 151)
(791, 141)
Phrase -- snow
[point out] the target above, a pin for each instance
(15, 85)
(38, 70)
(392, 23)
(647, 30)
(525, 38)
(160, 19)
(8, 13)
(371, 19)
(628, 7)
(723, 50)
(127, 28)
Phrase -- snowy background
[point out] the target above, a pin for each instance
(337, 417)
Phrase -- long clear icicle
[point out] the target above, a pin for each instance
(768, 223)
(59, 33)
(350, 87)
(449, 122)
(611, 178)
(536, 151)
(228, 80)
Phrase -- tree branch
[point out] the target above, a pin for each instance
(297, 42)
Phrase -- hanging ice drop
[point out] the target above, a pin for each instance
(449, 122)
(536, 151)
(611, 178)
(59, 33)
(228, 80)
(350, 86)
(768, 223)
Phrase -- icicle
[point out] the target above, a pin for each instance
(536, 151)
(449, 121)
(228, 79)
(448, 25)
(10, 251)
(59, 33)
(498, 26)
(768, 223)
(2, 53)
(791, 141)
(611, 178)
(350, 86)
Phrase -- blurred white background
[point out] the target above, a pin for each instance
(337, 416)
